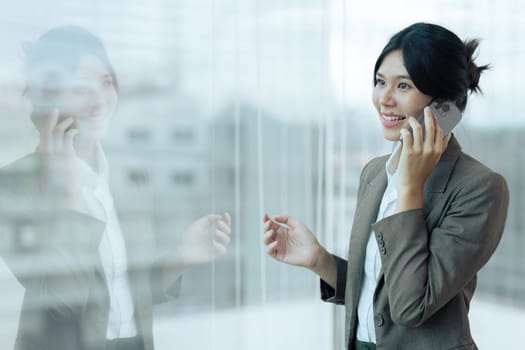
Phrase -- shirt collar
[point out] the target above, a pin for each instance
(394, 157)
(98, 175)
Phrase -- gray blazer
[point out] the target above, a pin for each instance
(430, 257)
(53, 253)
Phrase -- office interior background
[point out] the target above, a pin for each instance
(253, 106)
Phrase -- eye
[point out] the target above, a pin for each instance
(107, 82)
(404, 86)
(380, 82)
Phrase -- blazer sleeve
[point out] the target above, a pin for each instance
(423, 270)
(51, 251)
(166, 279)
(55, 265)
(337, 295)
(166, 269)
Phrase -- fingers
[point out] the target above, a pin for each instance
(221, 238)
(46, 132)
(407, 138)
(222, 226)
(68, 145)
(287, 220)
(211, 218)
(430, 141)
(269, 223)
(269, 237)
(227, 218)
(430, 127)
(57, 137)
(271, 249)
(50, 122)
(417, 134)
(222, 230)
(445, 141)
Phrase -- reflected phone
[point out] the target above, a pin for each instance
(48, 96)
(447, 115)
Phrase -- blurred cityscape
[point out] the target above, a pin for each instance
(242, 107)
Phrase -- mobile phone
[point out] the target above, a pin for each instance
(447, 114)
(46, 96)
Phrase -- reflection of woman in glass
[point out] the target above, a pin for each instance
(88, 284)
(428, 216)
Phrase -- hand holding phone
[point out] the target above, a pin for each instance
(420, 154)
(447, 115)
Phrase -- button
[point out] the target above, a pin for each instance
(379, 320)
(381, 243)
(382, 250)
(379, 235)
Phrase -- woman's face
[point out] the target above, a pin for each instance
(90, 97)
(395, 96)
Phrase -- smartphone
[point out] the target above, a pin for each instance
(447, 114)
(46, 97)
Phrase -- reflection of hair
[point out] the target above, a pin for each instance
(61, 48)
(438, 62)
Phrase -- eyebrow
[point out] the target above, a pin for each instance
(397, 76)
(87, 77)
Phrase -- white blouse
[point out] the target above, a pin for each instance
(372, 267)
(112, 249)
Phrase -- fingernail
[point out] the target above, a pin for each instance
(402, 133)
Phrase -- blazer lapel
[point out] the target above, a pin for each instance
(435, 184)
(365, 215)
(438, 179)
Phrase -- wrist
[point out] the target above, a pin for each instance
(409, 197)
(319, 256)
(410, 189)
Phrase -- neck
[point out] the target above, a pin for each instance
(395, 160)
(86, 150)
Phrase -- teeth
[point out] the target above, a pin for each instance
(393, 119)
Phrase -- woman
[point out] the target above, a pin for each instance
(89, 282)
(428, 216)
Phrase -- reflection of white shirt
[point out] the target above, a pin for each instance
(372, 268)
(112, 249)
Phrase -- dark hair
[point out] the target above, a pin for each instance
(62, 47)
(438, 62)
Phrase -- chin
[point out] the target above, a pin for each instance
(93, 130)
(93, 134)
(391, 135)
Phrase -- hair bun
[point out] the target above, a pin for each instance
(474, 71)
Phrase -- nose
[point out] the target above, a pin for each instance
(94, 96)
(386, 97)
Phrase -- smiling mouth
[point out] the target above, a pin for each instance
(392, 120)
(392, 117)
(96, 114)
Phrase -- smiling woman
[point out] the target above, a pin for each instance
(69, 72)
(428, 216)
(395, 96)
(90, 282)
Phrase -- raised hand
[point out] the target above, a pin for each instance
(288, 240)
(63, 168)
(205, 239)
(56, 137)
(417, 160)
